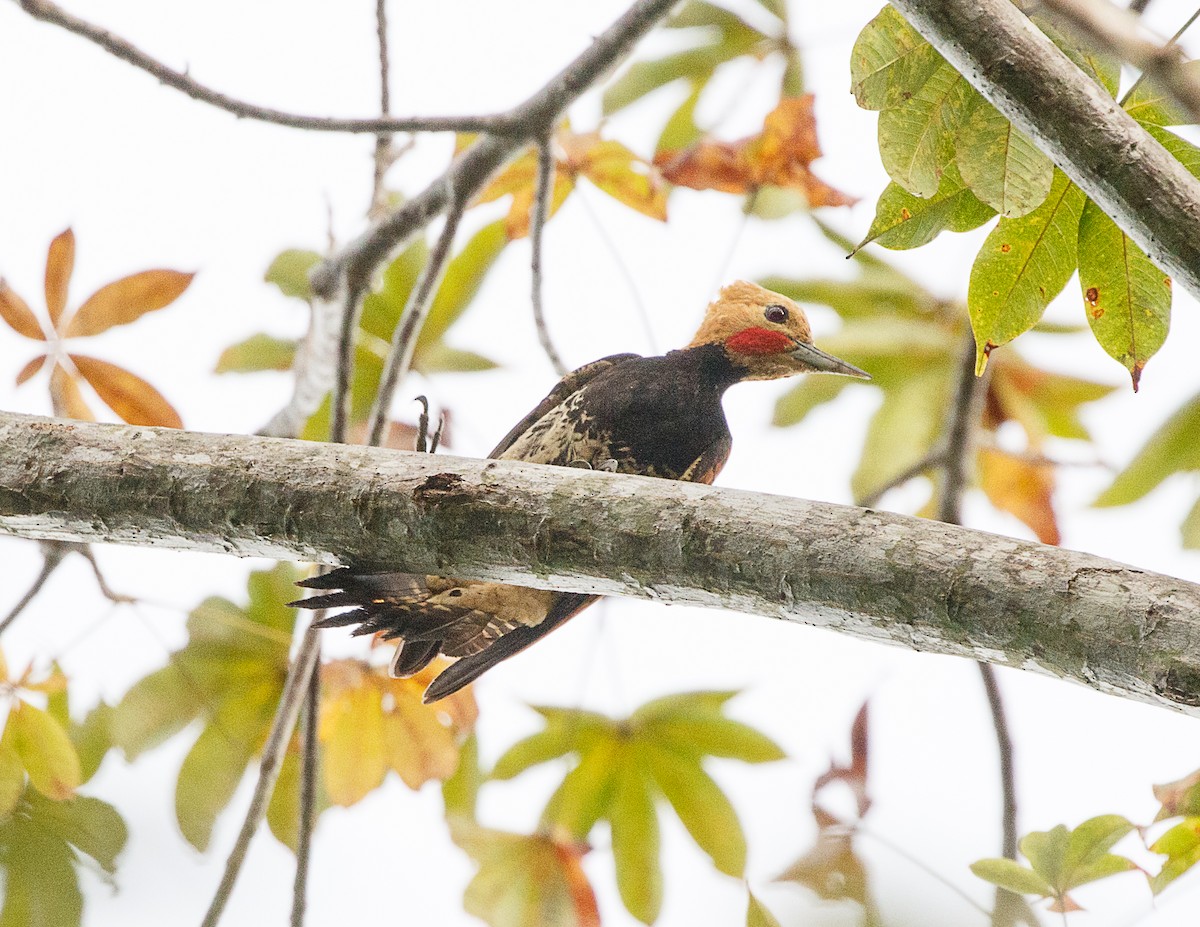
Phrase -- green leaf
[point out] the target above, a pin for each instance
(719, 736)
(916, 137)
(758, 915)
(46, 751)
(41, 888)
(439, 357)
(464, 276)
(701, 14)
(92, 826)
(12, 774)
(643, 77)
(702, 704)
(904, 221)
(904, 428)
(1127, 298)
(635, 845)
(258, 352)
(1087, 858)
(382, 308)
(794, 405)
(460, 793)
(1150, 105)
(1022, 266)
(1001, 164)
(1046, 850)
(289, 271)
(154, 709)
(584, 795)
(1190, 529)
(1011, 875)
(1104, 69)
(93, 738)
(681, 130)
(700, 805)
(1181, 149)
(546, 745)
(1181, 846)
(874, 294)
(890, 62)
(1171, 449)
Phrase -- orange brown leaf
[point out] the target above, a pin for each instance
(781, 156)
(127, 394)
(66, 397)
(31, 369)
(1023, 488)
(620, 173)
(127, 299)
(60, 263)
(16, 312)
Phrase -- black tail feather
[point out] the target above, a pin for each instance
(414, 656)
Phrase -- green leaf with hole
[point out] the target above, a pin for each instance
(904, 221)
(289, 271)
(1126, 297)
(890, 62)
(1022, 266)
(635, 845)
(1000, 164)
(257, 353)
(1173, 448)
(916, 137)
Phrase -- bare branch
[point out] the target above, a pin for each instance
(384, 155)
(877, 575)
(537, 226)
(52, 558)
(408, 327)
(1074, 120)
(294, 686)
(958, 439)
(308, 787)
(1123, 33)
(48, 12)
(930, 461)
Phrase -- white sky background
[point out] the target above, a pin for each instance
(149, 178)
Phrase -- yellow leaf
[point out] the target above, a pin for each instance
(127, 299)
(66, 398)
(127, 394)
(1022, 488)
(16, 312)
(624, 176)
(30, 369)
(60, 262)
(351, 732)
(12, 774)
(47, 752)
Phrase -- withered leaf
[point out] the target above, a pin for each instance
(127, 394)
(16, 312)
(31, 369)
(1021, 487)
(60, 263)
(127, 299)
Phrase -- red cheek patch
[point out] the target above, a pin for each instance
(758, 341)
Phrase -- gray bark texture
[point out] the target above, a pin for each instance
(885, 577)
(1074, 120)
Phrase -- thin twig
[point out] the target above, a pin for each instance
(540, 212)
(383, 141)
(308, 790)
(1173, 40)
(48, 12)
(933, 459)
(294, 688)
(404, 339)
(1123, 33)
(85, 551)
(52, 557)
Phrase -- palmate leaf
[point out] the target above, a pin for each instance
(1022, 266)
(635, 842)
(1126, 297)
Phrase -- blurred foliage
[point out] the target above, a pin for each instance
(117, 303)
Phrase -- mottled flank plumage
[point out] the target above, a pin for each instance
(653, 416)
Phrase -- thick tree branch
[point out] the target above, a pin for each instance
(179, 80)
(880, 576)
(1074, 120)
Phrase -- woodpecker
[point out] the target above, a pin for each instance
(653, 416)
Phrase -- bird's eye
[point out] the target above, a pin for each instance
(776, 314)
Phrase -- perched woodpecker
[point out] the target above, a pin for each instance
(653, 416)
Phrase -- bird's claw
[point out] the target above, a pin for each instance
(609, 466)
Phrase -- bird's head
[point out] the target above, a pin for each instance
(766, 334)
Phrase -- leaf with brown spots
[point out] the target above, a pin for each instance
(60, 263)
(127, 299)
(781, 156)
(127, 394)
(1023, 488)
(16, 312)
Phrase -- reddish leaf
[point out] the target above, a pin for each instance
(831, 868)
(127, 394)
(31, 369)
(16, 312)
(778, 156)
(1181, 797)
(66, 398)
(1023, 488)
(854, 775)
(125, 300)
(60, 262)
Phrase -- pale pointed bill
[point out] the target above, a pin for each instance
(816, 359)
